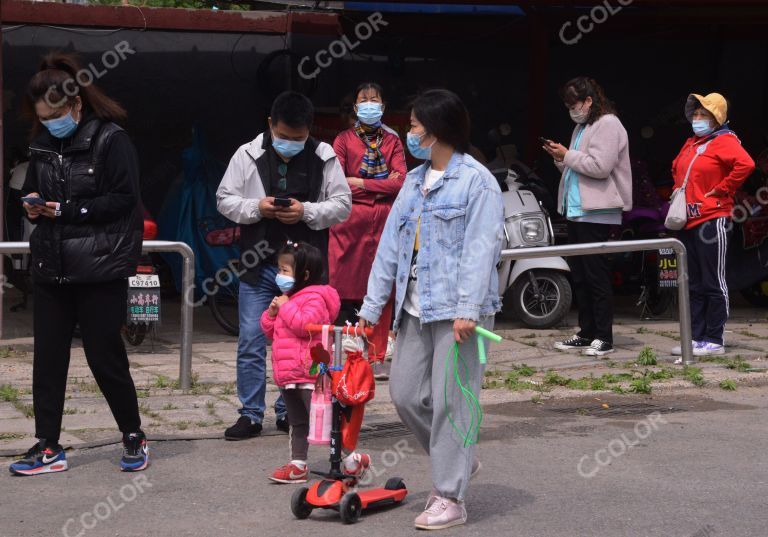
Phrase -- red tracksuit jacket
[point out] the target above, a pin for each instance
(723, 166)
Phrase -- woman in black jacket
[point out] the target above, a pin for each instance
(87, 241)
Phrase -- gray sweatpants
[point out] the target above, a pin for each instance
(417, 387)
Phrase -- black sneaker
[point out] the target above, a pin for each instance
(575, 343)
(283, 425)
(243, 429)
(598, 348)
(135, 452)
(43, 458)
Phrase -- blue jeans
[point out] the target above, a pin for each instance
(252, 346)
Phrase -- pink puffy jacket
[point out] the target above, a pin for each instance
(316, 304)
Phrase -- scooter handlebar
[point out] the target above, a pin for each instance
(347, 330)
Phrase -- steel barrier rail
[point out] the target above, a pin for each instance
(628, 246)
(187, 304)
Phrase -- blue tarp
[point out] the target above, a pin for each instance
(189, 215)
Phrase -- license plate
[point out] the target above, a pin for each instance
(144, 281)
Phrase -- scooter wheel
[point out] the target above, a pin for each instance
(300, 508)
(350, 508)
(394, 483)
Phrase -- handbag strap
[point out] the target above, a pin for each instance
(699, 151)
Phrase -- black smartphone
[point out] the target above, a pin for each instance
(545, 141)
(33, 200)
(282, 202)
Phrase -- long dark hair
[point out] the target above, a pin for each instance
(306, 259)
(444, 116)
(579, 88)
(57, 81)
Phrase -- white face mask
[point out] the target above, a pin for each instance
(581, 115)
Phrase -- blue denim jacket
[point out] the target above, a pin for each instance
(460, 240)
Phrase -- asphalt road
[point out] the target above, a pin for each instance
(555, 469)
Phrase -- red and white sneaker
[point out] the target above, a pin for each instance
(362, 461)
(290, 473)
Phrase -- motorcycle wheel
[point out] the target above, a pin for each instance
(134, 333)
(549, 307)
(755, 295)
(224, 307)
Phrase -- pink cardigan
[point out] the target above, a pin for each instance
(316, 304)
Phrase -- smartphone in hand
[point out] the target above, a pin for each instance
(545, 141)
(33, 200)
(282, 202)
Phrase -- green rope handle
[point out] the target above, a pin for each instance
(472, 434)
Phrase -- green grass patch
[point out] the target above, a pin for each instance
(641, 385)
(728, 384)
(8, 393)
(11, 436)
(524, 370)
(647, 357)
(163, 382)
(694, 376)
(170, 406)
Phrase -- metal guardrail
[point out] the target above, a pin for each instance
(187, 284)
(629, 246)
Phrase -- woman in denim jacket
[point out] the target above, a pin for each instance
(439, 249)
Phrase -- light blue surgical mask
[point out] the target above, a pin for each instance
(702, 127)
(287, 148)
(413, 142)
(369, 113)
(61, 127)
(285, 283)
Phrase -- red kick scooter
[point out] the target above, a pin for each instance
(338, 491)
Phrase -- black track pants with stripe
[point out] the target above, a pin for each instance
(707, 247)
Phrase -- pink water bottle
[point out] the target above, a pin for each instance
(320, 413)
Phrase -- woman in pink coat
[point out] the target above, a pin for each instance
(372, 158)
(305, 301)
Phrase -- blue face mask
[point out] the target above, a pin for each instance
(61, 127)
(285, 283)
(702, 127)
(369, 113)
(413, 142)
(287, 148)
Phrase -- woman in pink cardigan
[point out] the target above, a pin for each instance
(305, 301)
(372, 158)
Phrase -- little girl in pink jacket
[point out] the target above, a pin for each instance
(305, 301)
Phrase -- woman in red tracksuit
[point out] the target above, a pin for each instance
(716, 165)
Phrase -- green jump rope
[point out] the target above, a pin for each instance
(455, 362)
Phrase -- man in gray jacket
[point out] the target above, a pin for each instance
(283, 186)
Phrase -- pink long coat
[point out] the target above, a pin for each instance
(316, 304)
(353, 243)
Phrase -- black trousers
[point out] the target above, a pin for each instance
(100, 309)
(592, 283)
(707, 247)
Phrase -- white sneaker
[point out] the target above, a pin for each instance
(598, 348)
(709, 349)
(678, 351)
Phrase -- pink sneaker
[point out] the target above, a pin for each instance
(442, 514)
(362, 463)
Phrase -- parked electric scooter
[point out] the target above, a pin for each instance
(143, 293)
(536, 291)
